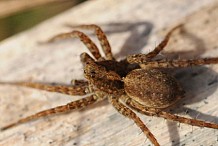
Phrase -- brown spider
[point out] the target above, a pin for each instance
(136, 82)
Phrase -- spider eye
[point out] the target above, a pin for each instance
(92, 74)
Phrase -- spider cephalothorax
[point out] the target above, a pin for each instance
(135, 83)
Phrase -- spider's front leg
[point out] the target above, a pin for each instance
(101, 37)
(84, 38)
(121, 108)
(78, 104)
(76, 89)
(87, 41)
(140, 58)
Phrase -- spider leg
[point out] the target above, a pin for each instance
(81, 89)
(121, 108)
(78, 104)
(140, 58)
(179, 63)
(101, 37)
(84, 38)
(159, 113)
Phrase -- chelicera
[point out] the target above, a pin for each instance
(136, 83)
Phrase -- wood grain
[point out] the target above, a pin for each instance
(131, 28)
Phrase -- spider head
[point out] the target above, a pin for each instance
(99, 76)
(152, 88)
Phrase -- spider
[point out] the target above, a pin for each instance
(136, 83)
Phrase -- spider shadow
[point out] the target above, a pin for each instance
(199, 47)
(194, 80)
(137, 39)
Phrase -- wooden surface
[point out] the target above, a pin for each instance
(131, 28)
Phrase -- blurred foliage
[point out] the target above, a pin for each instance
(23, 20)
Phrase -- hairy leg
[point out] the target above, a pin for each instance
(179, 63)
(121, 108)
(101, 37)
(140, 58)
(159, 113)
(84, 38)
(64, 89)
(78, 104)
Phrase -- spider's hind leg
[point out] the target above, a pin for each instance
(160, 113)
(127, 112)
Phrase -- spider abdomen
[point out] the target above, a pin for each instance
(152, 88)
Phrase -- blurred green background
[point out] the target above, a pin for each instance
(13, 23)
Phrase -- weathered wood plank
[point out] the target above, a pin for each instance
(131, 28)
